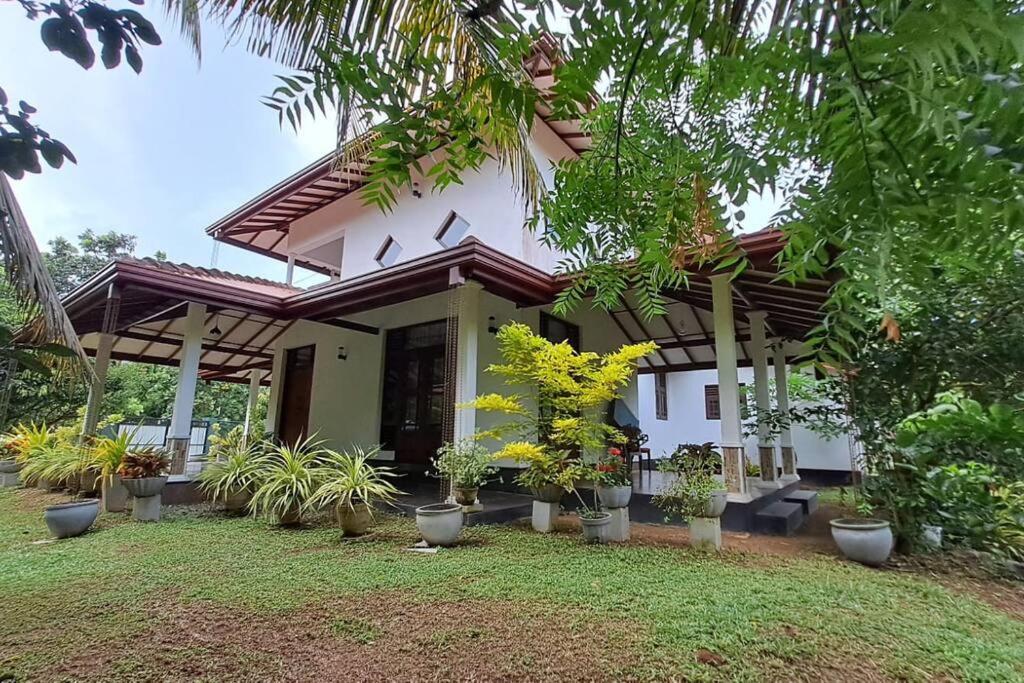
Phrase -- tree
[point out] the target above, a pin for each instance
(70, 266)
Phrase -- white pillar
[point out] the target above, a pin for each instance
(254, 397)
(733, 459)
(765, 447)
(180, 432)
(102, 363)
(289, 273)
(466, 363)
(789, 472)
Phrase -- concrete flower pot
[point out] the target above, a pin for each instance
(146, 490)
(9, 473)
(466, 495)
(291, 517)
(145, 487)
(716, 504)
(614, 496)
(88, 482)
(114, 494)
(549, 493)
(440, 523)
(596, 527)
(868, 541)
(355, 520)
(71, 519)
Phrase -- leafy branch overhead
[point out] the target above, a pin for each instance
(887, 131)
(65, 29)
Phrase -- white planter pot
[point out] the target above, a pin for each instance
(595, 529)
(868, 541)
(115, 495)
(613, 497)
(715, 506)
(440, 523)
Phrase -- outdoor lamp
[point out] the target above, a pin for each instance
(492, 325)
(342, 353)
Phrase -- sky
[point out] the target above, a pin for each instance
(163, 154)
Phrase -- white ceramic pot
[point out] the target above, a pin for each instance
(716, 504)
(868, 541)
(596, 528)
(614, 496)
(440, 523)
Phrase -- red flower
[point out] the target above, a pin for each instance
(614, 451)
(606, 468)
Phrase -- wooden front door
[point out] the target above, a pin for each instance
(412, 413)
(293, 423)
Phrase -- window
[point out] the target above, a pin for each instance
(557, 330)
(661, 396)
(388, 253)
(712, 405)
(452, 230)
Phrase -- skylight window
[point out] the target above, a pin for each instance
(454, 228)
(388, 253)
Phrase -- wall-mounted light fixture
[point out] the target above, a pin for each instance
(342, 353)
(416, 190)
(492, 325)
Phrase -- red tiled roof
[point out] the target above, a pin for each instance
(248, 282)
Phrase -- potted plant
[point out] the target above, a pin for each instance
(351, 485)
(107, 455)
(285, 478)
(440, 523)
(142, 473)
(71, 519)
(230, 478)
(753, 475)
(467, 465)
(26, 442)
(695, 495)
(613, 480)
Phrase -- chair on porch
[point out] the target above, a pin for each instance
(623, 419)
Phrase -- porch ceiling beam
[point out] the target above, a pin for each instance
(643, 330)
(705, 341)
(627, 335)
(165, 314)
(703, 365)
(177, 341)
(350, 325)
(224, 372)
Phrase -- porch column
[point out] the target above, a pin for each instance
(759, 351)
(466, 362)
(733, 459)
(782, 403)
(180, 433)
(99, 368)
(254, 397)
(104, 346)
(289, 273)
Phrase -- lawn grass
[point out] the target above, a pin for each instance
(759, 616)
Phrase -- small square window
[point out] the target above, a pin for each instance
(454, 228)
(713, 405)
(388, 253)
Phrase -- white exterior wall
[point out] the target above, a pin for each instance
(687, 423)
(345, 406)
(486, 200)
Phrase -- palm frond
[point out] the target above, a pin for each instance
(33, 288)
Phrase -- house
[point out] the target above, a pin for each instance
(403, 328)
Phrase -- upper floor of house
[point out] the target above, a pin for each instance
(317, 218)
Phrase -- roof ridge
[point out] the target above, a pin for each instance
(209, 272)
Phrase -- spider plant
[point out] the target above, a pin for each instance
(233, 474)
(58, 464)
(286, 477)
(350, 484)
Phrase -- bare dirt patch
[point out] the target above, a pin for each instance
(965, 573)
(381, 637)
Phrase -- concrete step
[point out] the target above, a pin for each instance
(808, 499)
(779, 519)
